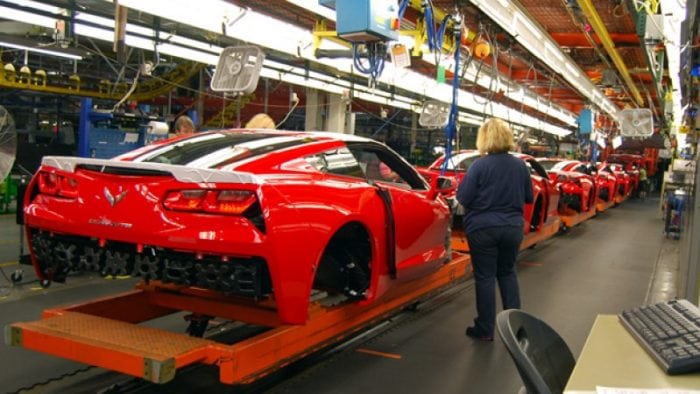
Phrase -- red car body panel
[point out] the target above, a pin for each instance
(624, 181)
(301, 209)
(631, 165)
(578, 189)
(606, 182)
(543, 189)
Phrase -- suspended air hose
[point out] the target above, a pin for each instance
(434, 37)
(376, 56)
(402, 8)
(453, 119)
(429, 24)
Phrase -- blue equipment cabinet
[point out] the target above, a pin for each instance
(104, 135)
(585, 121)
(365, 20)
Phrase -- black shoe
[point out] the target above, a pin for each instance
(471, 332)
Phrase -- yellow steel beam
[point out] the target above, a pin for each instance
(600, 29)
(146, 90)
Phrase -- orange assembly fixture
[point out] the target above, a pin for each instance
(104, 333)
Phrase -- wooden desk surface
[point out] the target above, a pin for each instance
(611, 357)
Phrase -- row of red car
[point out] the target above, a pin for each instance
(560, 186)
(263, 214)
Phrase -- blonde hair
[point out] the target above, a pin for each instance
(494, 137)
(260, 121)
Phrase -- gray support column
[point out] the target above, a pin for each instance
(414, 132)
(314, 102)
(335, 121)
(350, 123)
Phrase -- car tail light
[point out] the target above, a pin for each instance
(68, 187)
(48, 183)
(185, 200)
(57, 185)
(233, 202)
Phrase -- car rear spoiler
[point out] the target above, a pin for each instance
(180, 172)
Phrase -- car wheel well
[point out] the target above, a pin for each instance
(345, 265)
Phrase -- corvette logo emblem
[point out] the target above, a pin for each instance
(113, 200)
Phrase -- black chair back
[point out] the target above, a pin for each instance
(543, 359)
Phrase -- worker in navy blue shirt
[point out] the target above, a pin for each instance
(493, 193)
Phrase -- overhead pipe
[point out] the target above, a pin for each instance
(602, 32)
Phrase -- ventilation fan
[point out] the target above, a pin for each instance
(8, 142)
(434, 114)
(238, 70)
(636, 122)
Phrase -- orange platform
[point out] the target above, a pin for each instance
(549, 229)
(620, 199)
(572, 218)
(601, 205)
(104, 333)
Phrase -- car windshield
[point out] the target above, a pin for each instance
(217, 149)
(549, 164)
(462, 161)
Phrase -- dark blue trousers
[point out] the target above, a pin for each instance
(493, 253)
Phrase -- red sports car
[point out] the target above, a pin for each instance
(606, 182)
(253, 213)
(623, 180)
(578, 189)
(546, 195)
(630, 164)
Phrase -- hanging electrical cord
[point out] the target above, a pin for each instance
(294, 106)
(386, 123)
(453, 119)
(131, 90)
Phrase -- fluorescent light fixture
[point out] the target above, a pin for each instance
(572, 69)
(26, 44)
(45, 51)
(26, 17)
(528, 25)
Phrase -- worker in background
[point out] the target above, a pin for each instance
(184, 126)
(493, 194)
(260, 121)
(643, 183)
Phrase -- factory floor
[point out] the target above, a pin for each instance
(615, 261)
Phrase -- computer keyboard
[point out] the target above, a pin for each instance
(669, 332)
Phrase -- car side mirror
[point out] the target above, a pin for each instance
(441, 185)
(444, 183)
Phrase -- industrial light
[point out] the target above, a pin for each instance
(40, 50)
(32, 46)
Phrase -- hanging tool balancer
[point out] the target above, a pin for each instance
(369, 24)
